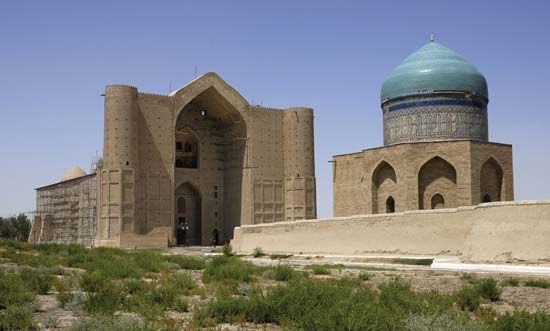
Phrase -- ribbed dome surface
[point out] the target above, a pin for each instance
(433, 67)
(73, 173)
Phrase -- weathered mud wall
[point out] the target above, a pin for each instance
(491, 232)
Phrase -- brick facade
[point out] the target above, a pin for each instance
(232, 163)
(461, 172)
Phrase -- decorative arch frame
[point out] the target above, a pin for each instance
(183, 96)
(442, 195)
(496, 193)
(422, 186)
(376, 192)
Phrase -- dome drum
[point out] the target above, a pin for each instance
(435, 117)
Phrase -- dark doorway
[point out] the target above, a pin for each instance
(188, 220)
(215, 237)
(181, 232)
(390, 205)
(438, 201)
(486, 198)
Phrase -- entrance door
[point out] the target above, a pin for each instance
(188, 222)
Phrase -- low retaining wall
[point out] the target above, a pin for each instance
(498, 231)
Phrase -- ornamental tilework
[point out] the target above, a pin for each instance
(428, 119)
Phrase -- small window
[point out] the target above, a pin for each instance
(390, 205)
(178, 146)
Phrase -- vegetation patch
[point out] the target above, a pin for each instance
(542, 283)
(281, 272)
(226, 267)
(510, 282)
(258, 252)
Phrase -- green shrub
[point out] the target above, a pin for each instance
(307, 305)
(468, 298)
(181, 305)
(152, 299)
(281, 272)
(441, 322)
(258, 252)
(16, 317)
(364, 276)
(542, 283)
(468, 278)
(488, 289)
(227, 250)
(180, 283)
(109, 323)
(524, 321)
(320, 270)
(38, 280)
(225, 267)
(186, 262)
(510, 282)
(13, 290)
(92, 281)
(105, 301)
(64, 294)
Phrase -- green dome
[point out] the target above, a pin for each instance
(433, 67)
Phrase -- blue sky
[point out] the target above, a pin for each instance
(57, 56)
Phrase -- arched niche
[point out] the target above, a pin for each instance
(384, 182)
(437, 201)
(490, 181)
(390, 205)
(437, 176)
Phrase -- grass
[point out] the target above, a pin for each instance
(364, 276)
(281, 272)
(542, 283)
(320, 269)
(224, 267)
(328, 305)
(307, 304)
(510, 282)
(150, 284)
(258, 252)
(324, 269)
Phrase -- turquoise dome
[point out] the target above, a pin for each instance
(433, 67)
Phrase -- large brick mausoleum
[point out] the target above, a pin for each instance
(184, 168)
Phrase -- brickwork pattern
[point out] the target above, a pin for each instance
(255, 164)
(355, 175)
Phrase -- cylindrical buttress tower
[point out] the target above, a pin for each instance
(120, 158)
(120, 139)
(300, 191)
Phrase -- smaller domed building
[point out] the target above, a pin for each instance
(436, 152)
